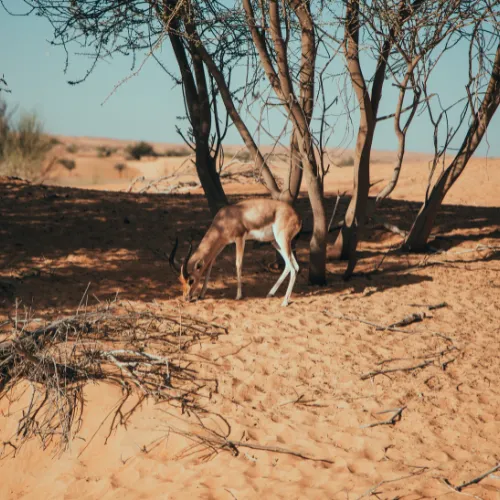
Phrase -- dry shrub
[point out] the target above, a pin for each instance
(244, 156)
(67, 163)
(177, 152)
(140, 149)
(120, 168)
(145, 352)
(105, 151)
(345, 161)
(23, 145)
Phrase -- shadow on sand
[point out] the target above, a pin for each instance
(55, 241)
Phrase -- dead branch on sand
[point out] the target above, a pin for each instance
(389, 328)
(431, 307)
(369, 323)
(373, 490)
(143, 349)
(215, 442)
(373, 374)
(408, 320)
(476, 480)
(390, 421)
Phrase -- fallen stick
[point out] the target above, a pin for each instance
(373, 489)
(408, 320)
(391, 421)
(392, 370)
(276, 449)
(426, 357)
(365, 322)
(221, 442)
(476, 480)
(431, 307)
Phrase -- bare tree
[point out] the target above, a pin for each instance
(200, 105)
(481, 115)
(115, 27)
(298, 108)
(398, 34)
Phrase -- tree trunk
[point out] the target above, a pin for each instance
(294, 179)
(417, 238)
(347, 240)
(317, 256)
(350, 233)
(209, 178)
(199, 111)
(422, 226)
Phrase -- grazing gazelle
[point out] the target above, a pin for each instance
(255, 219)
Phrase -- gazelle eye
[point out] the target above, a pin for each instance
(190, 281)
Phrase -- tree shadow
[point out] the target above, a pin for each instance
(55, 241)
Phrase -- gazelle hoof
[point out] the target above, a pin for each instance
(270, 294)
(284, 303)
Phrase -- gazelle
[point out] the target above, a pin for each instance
(254, 219)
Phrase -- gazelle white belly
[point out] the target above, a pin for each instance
(261, 234)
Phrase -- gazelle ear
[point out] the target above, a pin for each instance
(199, 265)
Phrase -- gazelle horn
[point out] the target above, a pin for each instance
(184, 271)
(171, 258)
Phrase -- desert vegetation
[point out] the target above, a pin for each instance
(140, 149)
(105, 151)
(67, 163)
(23, 145)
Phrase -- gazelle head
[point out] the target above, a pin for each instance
(189, 280)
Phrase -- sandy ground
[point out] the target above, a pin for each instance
(287, 378)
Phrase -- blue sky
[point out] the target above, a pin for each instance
(147, 106)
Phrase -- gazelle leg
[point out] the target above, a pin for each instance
(240, 249)
(294, 262)
(284, 274)
(291, 267)
(205, 284)
(293, 277)
(207, 277)
(274, 289)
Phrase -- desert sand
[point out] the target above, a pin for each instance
(298, 380)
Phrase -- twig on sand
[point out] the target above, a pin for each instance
(371, 491)
(408, 320)
(476, 480)
(439, 354)
(234, 445)
(373, 374)
(396, 417)
(215, 441)
(231, 493)
(431, 307)
(369, 323)
(379, 327)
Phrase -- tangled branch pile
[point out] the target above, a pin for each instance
(144, 351)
